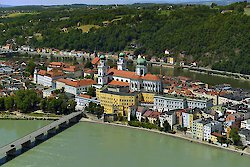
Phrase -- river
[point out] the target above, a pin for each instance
(95, 145)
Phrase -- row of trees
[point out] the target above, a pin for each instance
(27, 101)
(144, 123)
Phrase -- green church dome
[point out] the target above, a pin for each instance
(141, 61)
(102, 57)
(122, 54)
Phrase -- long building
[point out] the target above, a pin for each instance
(170, 102)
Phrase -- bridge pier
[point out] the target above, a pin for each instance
(40, 137)
(73, 120)
(64, 125)
(27, 144)
(11, 153)
(52, 131)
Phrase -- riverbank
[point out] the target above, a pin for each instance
(241, 152)
(27, 117)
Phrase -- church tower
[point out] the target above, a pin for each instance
(141, 67)
(102, 71)
(121, 63)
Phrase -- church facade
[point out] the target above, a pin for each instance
(140, 80)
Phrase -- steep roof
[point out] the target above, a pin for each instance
(77, 83)
(151, 77)
(95, 60)
(119, 83)
(154, 114)
(51, 73)
(42, 72)
(124, 74)
(147, 113)
(56, 63)
(71, 69)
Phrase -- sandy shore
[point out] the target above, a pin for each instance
(171, 135)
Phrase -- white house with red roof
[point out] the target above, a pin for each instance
(46, 78)
(74, 87)
(139, 80)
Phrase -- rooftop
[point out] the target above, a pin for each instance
(77, 83)
(119, 93)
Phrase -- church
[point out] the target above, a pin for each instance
(140, 80)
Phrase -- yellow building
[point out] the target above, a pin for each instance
(115, 101)
(198, 128)
(147, 97)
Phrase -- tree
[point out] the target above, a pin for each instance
(2, 106)
(26, 100)
(88, 64)
(9, 102)
(30, 67)
(96, 109)
(213, 5)
(71, 105)
(166, 126)
(43, 104)
(234, 135)
(91, 91)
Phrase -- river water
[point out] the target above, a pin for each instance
(95, 145)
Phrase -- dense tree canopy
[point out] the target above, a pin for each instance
(205, 34)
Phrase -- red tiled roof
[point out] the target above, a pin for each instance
(119, 83)
(95, 60)
(147, 113)
(77, 83)
(71, 69)
(154, 114)
(124, 74)
(151, 77)
(55, 73)
(217, 134)
(42, 72)
(56, 64)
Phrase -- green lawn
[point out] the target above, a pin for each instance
(86, 28)
(165, 12)
(247, 11)
(12, 15)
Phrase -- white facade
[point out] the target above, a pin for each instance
(82, 102)
(245, 124)
(210, 128)
(141, 70)
(164, 103)
(71, 89)
(168, 116)
(187, 119)
(121, 64)
(197, 103)
(169, 102)
(102, 71)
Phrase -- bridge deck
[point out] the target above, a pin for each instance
(38, 132)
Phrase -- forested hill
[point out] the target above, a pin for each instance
(214, 36)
